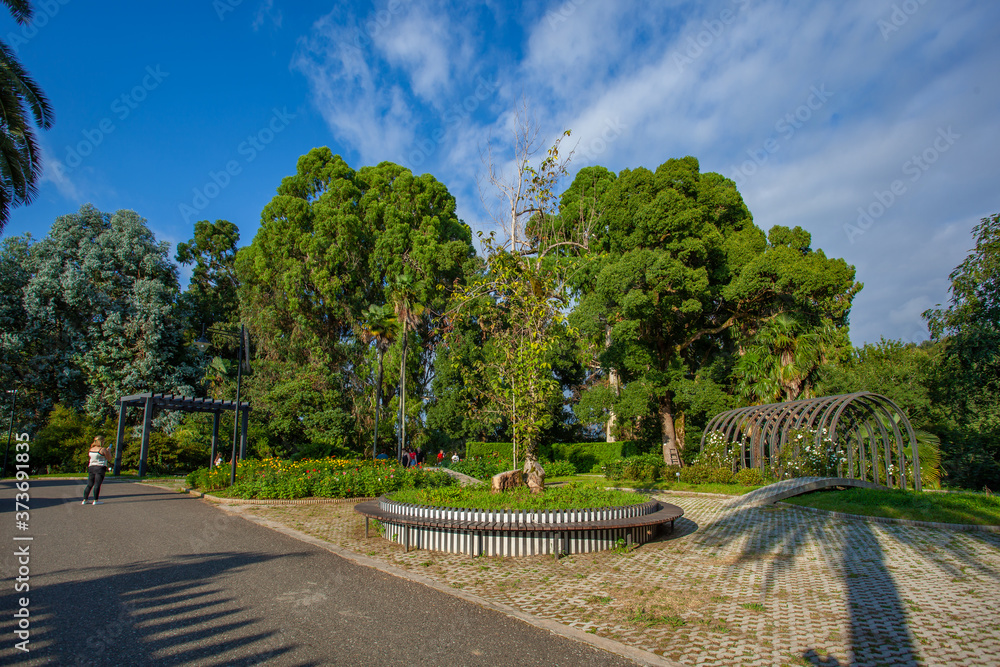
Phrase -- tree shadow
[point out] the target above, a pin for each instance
(174, 612)
(878, 626)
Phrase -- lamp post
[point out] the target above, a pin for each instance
(10, 432)
(202, 344)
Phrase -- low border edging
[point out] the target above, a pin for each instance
(311, 500)
(964, 527)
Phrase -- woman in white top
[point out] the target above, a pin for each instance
(96, 469)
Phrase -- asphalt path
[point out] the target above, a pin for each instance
(154, 577)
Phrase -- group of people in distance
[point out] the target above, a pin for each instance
(415, 457)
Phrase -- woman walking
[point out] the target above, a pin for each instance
(97, 468)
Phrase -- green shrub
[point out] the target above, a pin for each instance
(558, 468)
(585, 456)
(591, 456)
(718, 452)
(329, 478)
(61, 445)
(801, 456)
(571, 495)
(700, 474)
(166, 455)
(503, 450)
(749, 477)
(483, 467)
(646, 468)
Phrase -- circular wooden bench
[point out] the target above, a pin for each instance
(518, 532)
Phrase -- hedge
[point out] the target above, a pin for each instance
(585, 456)
(486, 449)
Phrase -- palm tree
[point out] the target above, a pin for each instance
(408, 313)
(781, 360)
(20, 159)
(378, 326)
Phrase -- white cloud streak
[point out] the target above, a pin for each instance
(724, 81)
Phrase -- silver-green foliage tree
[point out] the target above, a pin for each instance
(93, 312)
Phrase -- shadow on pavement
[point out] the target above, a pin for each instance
(878, 632)
(175, 612)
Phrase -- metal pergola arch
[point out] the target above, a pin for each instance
(151, 402)
(869, 428)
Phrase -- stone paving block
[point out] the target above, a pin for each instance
(775, 585)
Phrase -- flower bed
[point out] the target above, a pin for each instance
(570, 496)
(327, 478)
(572, 519)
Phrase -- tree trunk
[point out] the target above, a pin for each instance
(402, 397)
(534, 474)
(615, 382)
(378, 403)
(680, 430)
(671, 452)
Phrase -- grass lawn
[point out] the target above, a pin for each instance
(726, 489)
(971, 508)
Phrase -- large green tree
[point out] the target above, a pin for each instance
(680, 275)
(93, 313)
(212, 291)
(21, 102)
(967, 382)
(333, 243)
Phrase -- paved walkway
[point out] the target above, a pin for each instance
(774, 585)
(153, 577)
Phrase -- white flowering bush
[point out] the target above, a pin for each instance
(803, 456)
(893, 477)
(718, 452)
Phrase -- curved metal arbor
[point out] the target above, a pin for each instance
(864, 427)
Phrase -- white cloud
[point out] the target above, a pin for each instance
(264, 12)
(55, 172)
(724, 81)
(419, 43)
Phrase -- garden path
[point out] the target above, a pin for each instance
(771, 585)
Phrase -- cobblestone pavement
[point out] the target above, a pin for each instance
(775, 585)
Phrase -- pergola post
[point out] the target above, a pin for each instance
(120, 439)
(147, 420)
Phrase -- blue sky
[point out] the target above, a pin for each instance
(872, 124)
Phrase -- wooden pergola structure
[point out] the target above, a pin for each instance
(151, 402)
(873, 433)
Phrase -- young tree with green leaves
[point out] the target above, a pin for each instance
(518, 298)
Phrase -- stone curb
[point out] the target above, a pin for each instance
(635, 654)
(966, 527)
(280, 501)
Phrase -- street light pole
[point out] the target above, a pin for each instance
(236, 413)
(203, 344)
(10, 432)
